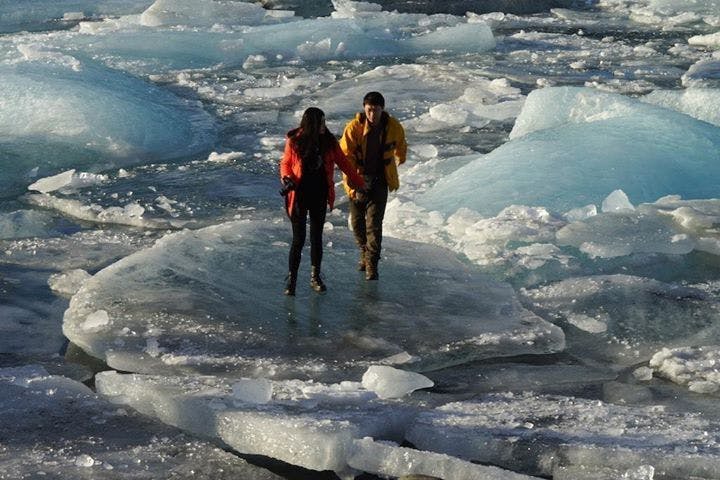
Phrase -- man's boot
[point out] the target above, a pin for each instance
(315, 281)
(371, 271)
(363, 258)
(290, 282)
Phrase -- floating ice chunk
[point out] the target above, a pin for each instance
(388, 382)
(643, 374)
(352, 9)
(617, 201)
(68, 283)
(398, 359)
(68, 180)
(387, 459)
(581, 213)
(425, 150)
(486, 100)
(563, 134)
(201, 13)
(698, 219)
(577, 432)
(41, 53)
(617, 234)
(464, 37)
(84, 460)
(129, 214)
(55, 182)
(703, 74)
(597, 472)
(315, 434)
(710, 40)
(96, 320)
(252, 390)
(597, 324)
(640, 313)
(698, 368)
(701, 103)
(696, 6)
(75, 117)
(461, 316)
(311, 39)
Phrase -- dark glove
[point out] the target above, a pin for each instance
(287, 185)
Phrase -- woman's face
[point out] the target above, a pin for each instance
(322, 126)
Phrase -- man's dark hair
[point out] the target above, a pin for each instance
(374, 98)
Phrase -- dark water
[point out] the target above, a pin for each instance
(319, 8)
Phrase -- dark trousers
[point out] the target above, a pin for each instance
(316, 208)
(367, 212)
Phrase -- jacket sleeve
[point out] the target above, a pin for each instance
(346, 167)
(348, 144)
(285, 163)
(401, 145)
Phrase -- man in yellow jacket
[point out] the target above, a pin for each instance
(374, 142)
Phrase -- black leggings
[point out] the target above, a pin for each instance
(317, 208)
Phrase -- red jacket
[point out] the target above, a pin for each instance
(291, 166)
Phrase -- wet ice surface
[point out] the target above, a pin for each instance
(552, 253)
(184, 305)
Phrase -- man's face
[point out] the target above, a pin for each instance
(373, 112)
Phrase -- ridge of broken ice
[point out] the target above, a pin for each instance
(317, 426)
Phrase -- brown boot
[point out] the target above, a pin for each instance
(361, 262)
(371, 271)
(316, 282)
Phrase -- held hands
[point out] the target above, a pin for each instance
(361, 194)
(287, 185)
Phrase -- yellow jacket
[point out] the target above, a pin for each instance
(354, 143)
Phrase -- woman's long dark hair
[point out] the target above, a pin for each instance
(308, 138)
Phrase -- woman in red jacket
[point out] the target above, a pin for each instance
(307, 169)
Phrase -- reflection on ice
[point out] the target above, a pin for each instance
(185, 305)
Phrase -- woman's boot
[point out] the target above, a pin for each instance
(290, 282)
(315, 281)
